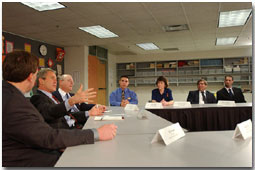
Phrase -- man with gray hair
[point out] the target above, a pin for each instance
(26, 139)
(201, 96)
(64, 93)
(57, 113)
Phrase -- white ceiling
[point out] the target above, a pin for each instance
(134, 22)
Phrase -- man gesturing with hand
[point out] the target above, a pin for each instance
(57, 114)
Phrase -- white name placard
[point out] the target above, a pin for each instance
(169, 134)
(107, 117)
(153, 105)
(226, 103)
(181, 104)
(132, 107)
(243, 130)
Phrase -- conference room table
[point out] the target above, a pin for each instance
(206, 117)
(132, 146)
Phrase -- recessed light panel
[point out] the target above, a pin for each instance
(43, 6)
(99, 31)
(226, 41)
(234, 18)
(148, 46)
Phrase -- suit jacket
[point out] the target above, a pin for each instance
(53, 113)
(193, 97)
(26, 139)
(224, 95)
(81, 106)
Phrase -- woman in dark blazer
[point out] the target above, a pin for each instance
(162, 93)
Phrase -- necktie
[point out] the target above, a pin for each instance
(203, 95)
(230, 93)
(56, 100)
(123, 95)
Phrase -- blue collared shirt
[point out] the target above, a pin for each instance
(115, 97)
(167, 95)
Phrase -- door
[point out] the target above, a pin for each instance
(97, 78)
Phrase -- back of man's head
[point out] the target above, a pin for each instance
(18, 65)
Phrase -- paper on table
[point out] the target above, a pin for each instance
(182, 104)
(226, 103)
(107, 117)
(153, 105)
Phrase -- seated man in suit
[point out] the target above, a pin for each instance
(123, 96)
(230, 93)
(63, 93)
(57, 113)
(201, 96)
(26, 139)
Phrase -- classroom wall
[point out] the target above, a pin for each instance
(237, 52)
(112, 75)
(179, 92)
(76, 64)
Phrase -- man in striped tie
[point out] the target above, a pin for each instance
(123, 95)
(63, 93)
(56, 113)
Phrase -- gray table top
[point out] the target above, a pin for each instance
(207, 106)
(132, 147)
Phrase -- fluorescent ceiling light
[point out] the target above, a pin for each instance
(43, 6)
(148, 46)
(99, 31)
(234, 18)
(226, 41)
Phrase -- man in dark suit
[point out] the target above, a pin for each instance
(63, 93)
(26, 139)
(57, 113)
(201, 96)
(230, 93)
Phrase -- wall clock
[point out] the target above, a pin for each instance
(43, 50)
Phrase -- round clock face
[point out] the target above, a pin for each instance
(43, 50)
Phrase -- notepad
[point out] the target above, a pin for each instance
(107, 117)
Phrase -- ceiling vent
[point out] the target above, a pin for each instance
(171, 28)
(171, 49)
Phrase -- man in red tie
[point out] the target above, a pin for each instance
(26, 139)
(57, 113)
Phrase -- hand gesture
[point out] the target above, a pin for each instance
(82, 96)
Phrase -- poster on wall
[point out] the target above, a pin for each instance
(3, 44)
(50, 62)
(60, 54)
(41, 62)
(59, 69)
(76, 77)
(3, 57)
(9, 46)
(27, 47)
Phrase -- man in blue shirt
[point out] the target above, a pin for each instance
(123, 96)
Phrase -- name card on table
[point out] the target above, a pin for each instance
(226, 103)
(169, 134)
(107, 117)
(153, 105)
(182, 104)
(132, 107)
(243, 130)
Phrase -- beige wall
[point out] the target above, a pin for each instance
(76, 60)
(180, 92)
(76, 64)
(238, 52)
